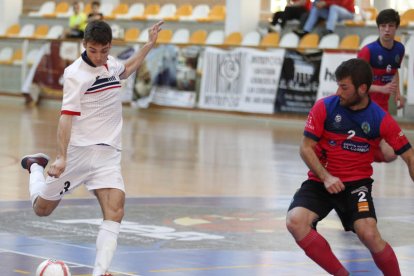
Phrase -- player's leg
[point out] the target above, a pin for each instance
(36, 164)
(381, 251)
(112, 203)
(363, 221)
(309, 205)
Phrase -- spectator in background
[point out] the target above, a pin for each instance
(333, 11)
(77, 22)
(294, 9)
(95, 14)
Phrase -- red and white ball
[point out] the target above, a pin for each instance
(52, 267)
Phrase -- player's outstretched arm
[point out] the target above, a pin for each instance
(137, 59)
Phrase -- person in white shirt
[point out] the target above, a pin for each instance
(89, 137)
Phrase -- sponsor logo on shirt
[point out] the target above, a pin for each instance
(354, 146)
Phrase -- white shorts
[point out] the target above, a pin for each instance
(97, 166)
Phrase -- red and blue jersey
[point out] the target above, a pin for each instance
(385, 63)
(347, 139)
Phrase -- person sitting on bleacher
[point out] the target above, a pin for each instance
(95, 14)
(77, 22)
(294, 9)
(332, 11)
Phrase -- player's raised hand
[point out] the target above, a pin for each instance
(153, 32)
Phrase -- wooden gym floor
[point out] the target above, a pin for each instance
(207, 194)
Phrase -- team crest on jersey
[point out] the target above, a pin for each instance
(366, 128)
(397, 59)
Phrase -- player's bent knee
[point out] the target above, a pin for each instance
(44, 208)
(293, 223)
(369, 236)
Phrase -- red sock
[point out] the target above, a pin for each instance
(387, 261)
(318, 249)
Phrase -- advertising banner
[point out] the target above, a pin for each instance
(242, 79)
(298, 82)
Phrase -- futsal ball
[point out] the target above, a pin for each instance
(52, 267)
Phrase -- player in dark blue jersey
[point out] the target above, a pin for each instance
(385, 56)
(340, 137)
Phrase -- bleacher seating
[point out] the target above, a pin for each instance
(55, 32)
(183, 11)
(27, 31)
(149, 10)
(131, 35)
(135, 10)
(310, 40)
(217, 13)
(47, 7)
(164, 36)
(41, 31)
(330, 41)
(270, 40)
(121, 9)
(349, 42)
(198, 37)
(13, 30)
(166, 11)
(181, 36)
(215, 37)
(251, 39)
(289, 40)
(233, 39)
(199, 11)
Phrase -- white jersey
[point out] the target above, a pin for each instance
(93, 96)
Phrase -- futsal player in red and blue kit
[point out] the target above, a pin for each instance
(340, 137)
(385, 56)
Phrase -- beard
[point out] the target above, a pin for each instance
(355, 100)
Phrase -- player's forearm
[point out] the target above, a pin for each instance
(137, 59)
(63, 135)
(312, 161)
(379, 89)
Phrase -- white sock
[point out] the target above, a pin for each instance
(36, 182)
(106, 243)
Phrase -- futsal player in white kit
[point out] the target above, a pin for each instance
(89, 137)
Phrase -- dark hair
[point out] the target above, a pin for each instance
(96, 3)
(98, 31)
(388, 16)
(358, 69)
